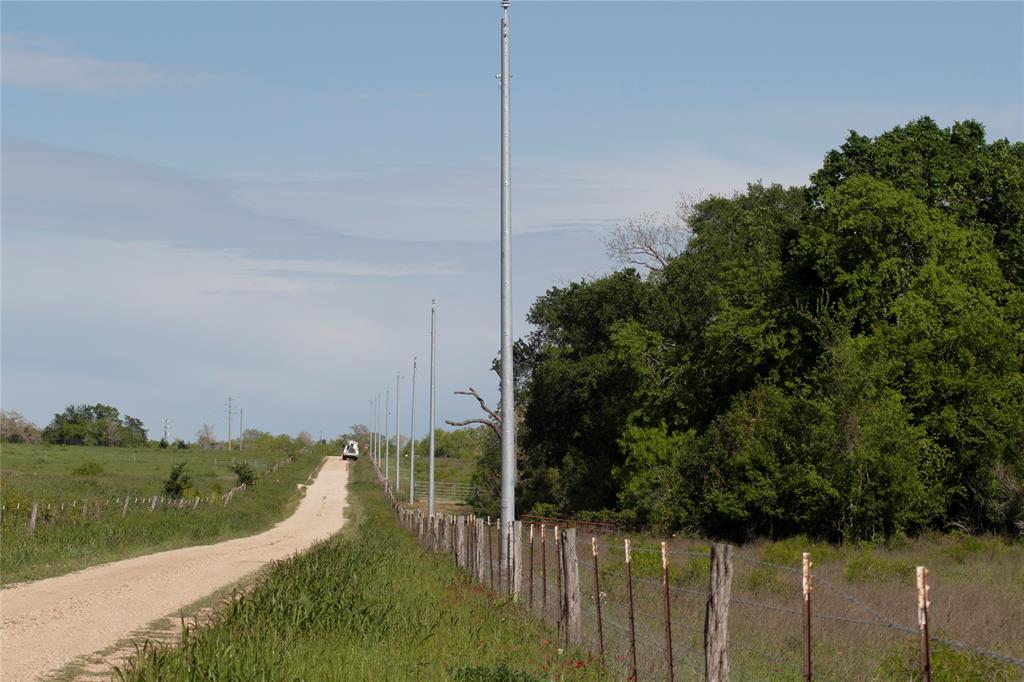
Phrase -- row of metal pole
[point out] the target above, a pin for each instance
(376, 436)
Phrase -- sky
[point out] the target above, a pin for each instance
(261, 199)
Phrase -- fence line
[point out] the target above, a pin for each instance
(584, 583)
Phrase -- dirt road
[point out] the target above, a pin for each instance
(49, 623)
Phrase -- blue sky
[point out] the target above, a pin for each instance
(260, 199)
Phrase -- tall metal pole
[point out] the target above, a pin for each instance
(433, 390)
(412, 438)
(508, 419)
(387, 441)
(229, 422)
(380, 423)
(398, 432)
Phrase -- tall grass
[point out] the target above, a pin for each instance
(72, 541)
(368, 604)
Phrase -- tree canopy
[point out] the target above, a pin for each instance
(94, 425)
(844, 359)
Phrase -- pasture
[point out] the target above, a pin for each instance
(64, 479)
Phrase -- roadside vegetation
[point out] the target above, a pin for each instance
(843, 359)
(368, 604)
(67, 540)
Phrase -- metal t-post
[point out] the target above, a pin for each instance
(508, 419)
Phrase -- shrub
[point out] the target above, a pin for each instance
(180, 444)
(245, 474)
(764, 579)
(902, 663)
(178, 481)
(89, 468)
(866, 567)
(789, 552)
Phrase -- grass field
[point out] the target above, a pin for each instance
(69, 540)
(368, 604)
(863, 602)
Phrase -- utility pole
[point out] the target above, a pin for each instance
(412, 438)
(165, 430)
(229, 422)
(380, 423)
(398, 431)
(508, 419)
(433, 386)
(387, 441)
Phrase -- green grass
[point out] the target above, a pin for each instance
(68, 541)
(368, 604)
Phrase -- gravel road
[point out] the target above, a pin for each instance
(49, 623)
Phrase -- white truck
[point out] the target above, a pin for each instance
(351, 451)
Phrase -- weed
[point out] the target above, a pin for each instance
(367, 604)
(866, 567)
(89, 468)
(764, 579)
(789, 552)
(903, 663)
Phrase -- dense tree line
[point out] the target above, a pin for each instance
(95, 425)
(842, 359)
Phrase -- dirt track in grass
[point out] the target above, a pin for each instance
(50, 623)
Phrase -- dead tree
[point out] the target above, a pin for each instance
(493, 419)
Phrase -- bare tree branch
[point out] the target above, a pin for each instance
(472, 391)
(651, 240)
(478, 420)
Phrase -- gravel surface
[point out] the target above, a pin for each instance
(49, 623)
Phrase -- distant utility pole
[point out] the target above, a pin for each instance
(412, 438)
(508, 419)
(433, 365)
(229, 422)
(387, 441)
(165, 429)
(377, 435)
(398, 431)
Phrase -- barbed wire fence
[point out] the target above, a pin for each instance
(663, 611)
(30, 514)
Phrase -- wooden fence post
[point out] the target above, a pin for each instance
(571, 614)
(460, 541)
(530, 597)
(490, 551)
(922, 622)
(517, 560)
(152, 504)
(543, 573)
(32, 518)
(668, 609)
(807, 615)
(478, 550)
(558, 574)
(627, 550)
(716, 618)
(597, 599)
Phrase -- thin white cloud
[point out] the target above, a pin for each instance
(41, 64)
